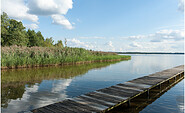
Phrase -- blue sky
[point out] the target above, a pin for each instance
(106, 25)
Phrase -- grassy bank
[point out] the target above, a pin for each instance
(15, 57)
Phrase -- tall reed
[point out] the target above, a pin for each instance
(15, 56)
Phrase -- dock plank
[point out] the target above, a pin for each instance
(126, 89)
(91, 104)
(139, 89)
(104, 97)
(95, 100)
(115, 92)
(84, 108)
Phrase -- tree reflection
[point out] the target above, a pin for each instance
(14, 82)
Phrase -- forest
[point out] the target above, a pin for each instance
(13, 32)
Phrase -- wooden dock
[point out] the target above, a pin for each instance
(103, 100)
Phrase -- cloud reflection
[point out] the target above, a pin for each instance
(35, 96)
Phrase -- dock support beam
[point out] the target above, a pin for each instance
(159, 86)
(148, 92)
(128, 102)
(175, 78)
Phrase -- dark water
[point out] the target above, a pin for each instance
(27, 89)
(170, 102)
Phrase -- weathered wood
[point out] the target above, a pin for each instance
(126, 89)
(115, 92)
(91, 104)
(59, 108)
(78, 107)
(108, 98)
(66, 107)
(105, 97)
(111, 96)
(44, 110)
(141, 85)
(98, 101)
(131, 86)
(147, 80)
(84, 108)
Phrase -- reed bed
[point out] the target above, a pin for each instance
(16, 56)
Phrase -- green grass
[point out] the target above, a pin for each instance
(15, 56)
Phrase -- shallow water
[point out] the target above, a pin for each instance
(26, 89)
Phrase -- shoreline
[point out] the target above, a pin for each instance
(62, 64)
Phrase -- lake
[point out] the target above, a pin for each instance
(26, 89)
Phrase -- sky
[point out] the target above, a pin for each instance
(105, 25)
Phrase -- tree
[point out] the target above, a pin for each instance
(40, 38)
(35, 39)
(48, 42)
(59, 44)
(12, 32)
(17, 34)
(4, 28)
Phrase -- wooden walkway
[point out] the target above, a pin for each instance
(103, 100)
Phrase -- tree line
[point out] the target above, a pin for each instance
(13, 32)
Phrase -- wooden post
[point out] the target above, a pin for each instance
(128, 102)
(159, 86)
(148, 93)
(175, 78)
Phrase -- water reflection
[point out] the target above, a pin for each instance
(26, 89)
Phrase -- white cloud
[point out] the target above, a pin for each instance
(91, 45)
(134, 37)
(95, 37)
(18, 10)
(31, 9)
(109, 44)
(49, 7)
(167, 35)
(160, 41)
(135, 44)
(181, 5)
(61, 20)
(32, 26)
(77, 43)
(160, 36)
(54, 8)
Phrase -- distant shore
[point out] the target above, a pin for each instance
(146, 53)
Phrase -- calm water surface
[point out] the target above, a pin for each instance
(26, 89)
